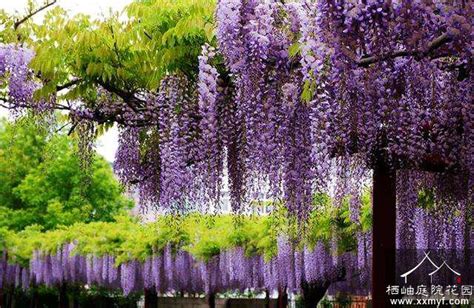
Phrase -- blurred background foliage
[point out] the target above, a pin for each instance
(204, 236)
(42, 183)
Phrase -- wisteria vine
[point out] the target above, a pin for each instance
(167, 271)
(296, 98)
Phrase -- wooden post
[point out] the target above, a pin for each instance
(267, 298)
(211, 300)
(282, 298)
(151, 298)
(384, 234)
(63, 298)
(9, 298)
(313, 293)
(34, 296)
(12, 297)
(75, 297)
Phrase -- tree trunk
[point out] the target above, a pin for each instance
(1, 298)
(384, 234)
(282, 298)
(9, 302)
(73, 301)
(211, 300)
(34, 303)
(313, 293)
(63, 299)
(75, 296)
(13, 298)
(151, 298)
(7, 299)
(267, 299)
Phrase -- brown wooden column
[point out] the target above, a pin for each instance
(211, 300)
(313, 293)
(34, 296)
(151, 298)
(282, 298)
(384, 234)
(63, 298)
(267, 299)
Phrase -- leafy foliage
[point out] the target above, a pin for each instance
(125, 53)
(41, 181)
(203, 236)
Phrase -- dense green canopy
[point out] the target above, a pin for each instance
(124, 53)
(204, 236)
(41, 181)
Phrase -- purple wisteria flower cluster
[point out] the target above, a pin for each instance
(276, 143)
(14, 62)
(176, 272)
(426, 219)
(388, 83)
(19, 77)
(296, 98)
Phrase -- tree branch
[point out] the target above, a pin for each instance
(420, 53)
(62, 127)
(68, 84)
(147, 35)
(129, 98)
(10, 105)
(73, 127)
(99, 116)
(31, 14)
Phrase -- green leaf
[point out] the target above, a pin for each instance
(294, 49)
(307, 93)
